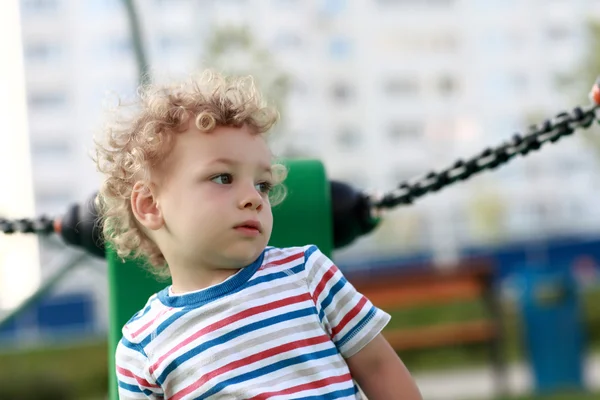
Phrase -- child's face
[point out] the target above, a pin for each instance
(213, 196)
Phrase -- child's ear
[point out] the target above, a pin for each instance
(145, 207)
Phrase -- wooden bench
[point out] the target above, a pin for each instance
(406, 288)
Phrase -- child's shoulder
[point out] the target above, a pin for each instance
(301, 253)
(303, 257)
(144, 318)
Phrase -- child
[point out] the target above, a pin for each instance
(189, 186)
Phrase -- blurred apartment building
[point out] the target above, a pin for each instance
(382, 91)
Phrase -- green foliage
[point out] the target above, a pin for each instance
(559, 396)
(80, 372)
(76, 372)
(589, 72)
(470, 355)
(235, 51)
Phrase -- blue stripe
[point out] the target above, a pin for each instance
(357, 327)
(225, 288)
(230, 336)
(266, 278)
(143, 312)
(268, 369)
(164, 325)
(274, 276)
(334, 290)
(333, 395)
(135, 389)
(133, 346)
(309, 252)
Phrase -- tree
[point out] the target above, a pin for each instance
(589, 72)
(234, 51)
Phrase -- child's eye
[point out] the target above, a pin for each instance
(223, 179)
(264, 187)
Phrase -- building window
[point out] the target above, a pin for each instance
(564, 80)
(287, 41)
(286, 3)
(401, 174)
(52, 150)
(558, 33)
(348, 138)
(356, 178)
(520, 82)
(340, 48)
(47, 100)
(440, 3)
(341, 92)
(119, 46)
(447, 85)
(298, 87)
(398, 2)
(170, 43)
(401, 86)
(403, 130)
(50, 201)
(42, 52)
(170, 2)
(95, 7)
(427, 3)
(39, 6)
(445, 42)
(333, 7)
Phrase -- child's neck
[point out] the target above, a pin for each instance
(192, 279)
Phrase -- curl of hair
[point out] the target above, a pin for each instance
(138, 136)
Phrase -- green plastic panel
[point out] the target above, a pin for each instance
(304, 217)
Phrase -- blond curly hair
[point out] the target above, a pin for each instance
(139, 135)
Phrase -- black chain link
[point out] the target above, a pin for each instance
(550, 130)
(42, 225)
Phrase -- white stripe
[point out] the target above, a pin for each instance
(244, 348)
(231, 327)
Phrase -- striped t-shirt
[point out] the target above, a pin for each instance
(280, 328)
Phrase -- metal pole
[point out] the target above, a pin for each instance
(67, 267)
(136, 40)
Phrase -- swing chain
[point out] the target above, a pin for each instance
(550, 130)
(41, 225)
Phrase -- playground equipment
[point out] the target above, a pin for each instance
(328, 214)
(353, 213)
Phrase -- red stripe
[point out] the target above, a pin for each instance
(348, 317)
(229, 320)
(140, 381)
(149, 323)
(306, 386)
(249, 360)
(286, 260)
(326, 277)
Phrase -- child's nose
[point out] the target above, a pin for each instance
(251, 199)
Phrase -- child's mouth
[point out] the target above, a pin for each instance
(249, 228)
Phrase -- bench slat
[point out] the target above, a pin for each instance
(441, 335)
(434, 293)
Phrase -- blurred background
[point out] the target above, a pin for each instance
(380, 91)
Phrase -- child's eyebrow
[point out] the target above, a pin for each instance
(229, 161)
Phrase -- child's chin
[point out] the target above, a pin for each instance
(245, 256)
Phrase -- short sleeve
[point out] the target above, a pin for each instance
(351, 320)
(133, 379)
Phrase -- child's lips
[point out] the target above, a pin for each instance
(252, 227)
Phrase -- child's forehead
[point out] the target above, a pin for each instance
(225, 145)
(239, 162)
